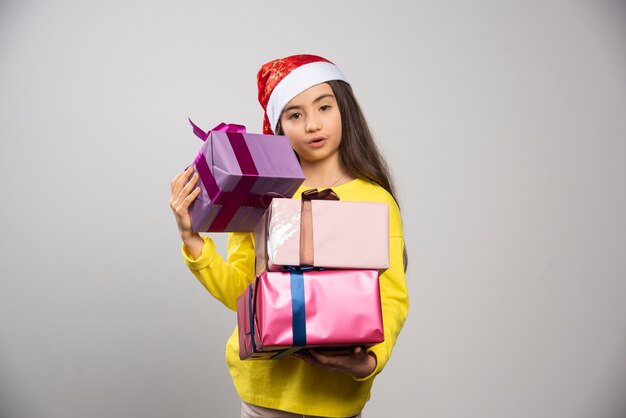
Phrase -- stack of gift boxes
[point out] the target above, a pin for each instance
(317, 264)
(317, 258)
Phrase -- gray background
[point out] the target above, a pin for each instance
(505, 125)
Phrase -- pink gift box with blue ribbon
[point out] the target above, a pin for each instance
(282, 312)
(239, 174)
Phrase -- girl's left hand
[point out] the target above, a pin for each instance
(358, 363)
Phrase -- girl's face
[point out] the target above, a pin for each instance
(312, 122)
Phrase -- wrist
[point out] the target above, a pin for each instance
(187, 236)
(193, 242)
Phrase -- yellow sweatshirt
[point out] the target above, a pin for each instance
(290, 384)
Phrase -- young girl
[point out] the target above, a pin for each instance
(308, 99)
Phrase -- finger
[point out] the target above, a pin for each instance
(307, 358)
(182, 179)
(183, 200)
(175, 180)
(190, 185)
(180, 194)
(175, 184)
(322, 358)
(190, 198)
(185, 174)
(313, 352)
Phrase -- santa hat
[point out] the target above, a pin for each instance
(282, 79)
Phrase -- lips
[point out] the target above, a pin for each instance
(315, 143)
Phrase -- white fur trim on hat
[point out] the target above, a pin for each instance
(298, 80)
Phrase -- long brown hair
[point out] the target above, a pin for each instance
(358, 150)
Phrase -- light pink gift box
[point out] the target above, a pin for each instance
(352, 235)
(282, 312)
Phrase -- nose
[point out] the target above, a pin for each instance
(313, 123)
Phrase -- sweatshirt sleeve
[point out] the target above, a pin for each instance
(225, 280)
(393, 293)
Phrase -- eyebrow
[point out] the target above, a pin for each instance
(323, 96)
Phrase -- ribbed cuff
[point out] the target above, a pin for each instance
(205, 258)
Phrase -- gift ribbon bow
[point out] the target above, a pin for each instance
(306, 222)
(223, 127)
(240, 196)
(314, 194)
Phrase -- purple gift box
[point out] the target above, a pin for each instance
(239, 175)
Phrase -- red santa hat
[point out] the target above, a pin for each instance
(282, 79)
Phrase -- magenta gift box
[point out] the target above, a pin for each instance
(282, 312)
(352, 235)
(239, 174)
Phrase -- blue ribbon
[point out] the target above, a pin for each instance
(298, 310)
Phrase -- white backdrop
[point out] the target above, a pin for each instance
(505, 126)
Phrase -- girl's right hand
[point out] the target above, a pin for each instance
(182, 193)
